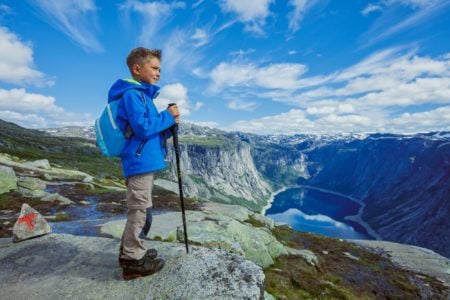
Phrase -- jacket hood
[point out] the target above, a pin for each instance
(123, 85)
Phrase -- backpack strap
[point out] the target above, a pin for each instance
(143, 98)
(128, 130)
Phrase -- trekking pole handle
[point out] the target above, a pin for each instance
(174, 126)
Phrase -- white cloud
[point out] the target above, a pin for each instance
(21, 101)
(200, 37)
(242, 105)
(252, 13)
(75, 18)
(174, 51)
(209, 124)
(282, 76)
(154, 16)
(385, 26)
(371, 8)
(433, 120)
(5, 9)
(338, 108)
(198, 3)
(296, 16)
(293, 121)
(241, 54)
(197, 106)
(200, 73)
(229, 75)
(297, 121)
(174, 93)
(421, 91)
(386, 79)
(180, 54)
(411, 3)
(374, 95)
(36, 110)
(25, 120)
(16, 61)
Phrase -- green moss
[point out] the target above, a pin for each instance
(61, 217)
(14, 200)
(72, 153)
(254, 222)
(4, 200)
(210, 141)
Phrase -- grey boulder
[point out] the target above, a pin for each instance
(8, 180)
(29, 224)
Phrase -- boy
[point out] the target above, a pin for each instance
(142, 156)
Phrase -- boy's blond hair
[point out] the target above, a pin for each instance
(141, 55)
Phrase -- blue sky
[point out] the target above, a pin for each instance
(262, 66)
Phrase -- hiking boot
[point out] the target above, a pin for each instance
(150, 254)
(144, 267)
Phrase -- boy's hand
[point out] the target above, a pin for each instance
(173, 109)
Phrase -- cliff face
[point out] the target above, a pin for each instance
(221, 173)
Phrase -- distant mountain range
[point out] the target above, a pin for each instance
(87, 132)
(403, 180)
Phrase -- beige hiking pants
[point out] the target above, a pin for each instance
(139, 198)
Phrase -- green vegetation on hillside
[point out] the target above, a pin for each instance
(345, 271)
(72, 153)
(208, 141)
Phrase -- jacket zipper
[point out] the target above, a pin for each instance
(141, 146)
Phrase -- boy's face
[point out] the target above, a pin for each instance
(148, 72)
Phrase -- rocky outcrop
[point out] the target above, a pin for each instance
(34, 188)
(40, 164)
(31, 183)
(60, 266)
(41, 169)
(220, 226)
(8, 180)
(412, 258)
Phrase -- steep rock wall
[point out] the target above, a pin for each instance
(220, 173)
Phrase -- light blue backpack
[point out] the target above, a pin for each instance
(110, 138)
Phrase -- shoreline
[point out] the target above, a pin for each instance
(272, 197)
(355, 218)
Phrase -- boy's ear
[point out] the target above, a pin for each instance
(136, 69)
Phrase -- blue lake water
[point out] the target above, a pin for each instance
(318, 212)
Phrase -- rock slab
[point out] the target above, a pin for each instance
(29, 224)
(216, 226)
(8, 180)
(412, 258)
(60, 266)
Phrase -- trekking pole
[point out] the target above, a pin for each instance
(174, 130)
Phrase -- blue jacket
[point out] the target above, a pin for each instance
(144, 151)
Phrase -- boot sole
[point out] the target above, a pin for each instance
(122, 262)
(130, 276)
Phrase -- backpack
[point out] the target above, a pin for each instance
(110, 138)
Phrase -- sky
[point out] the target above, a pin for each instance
(259, 66)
